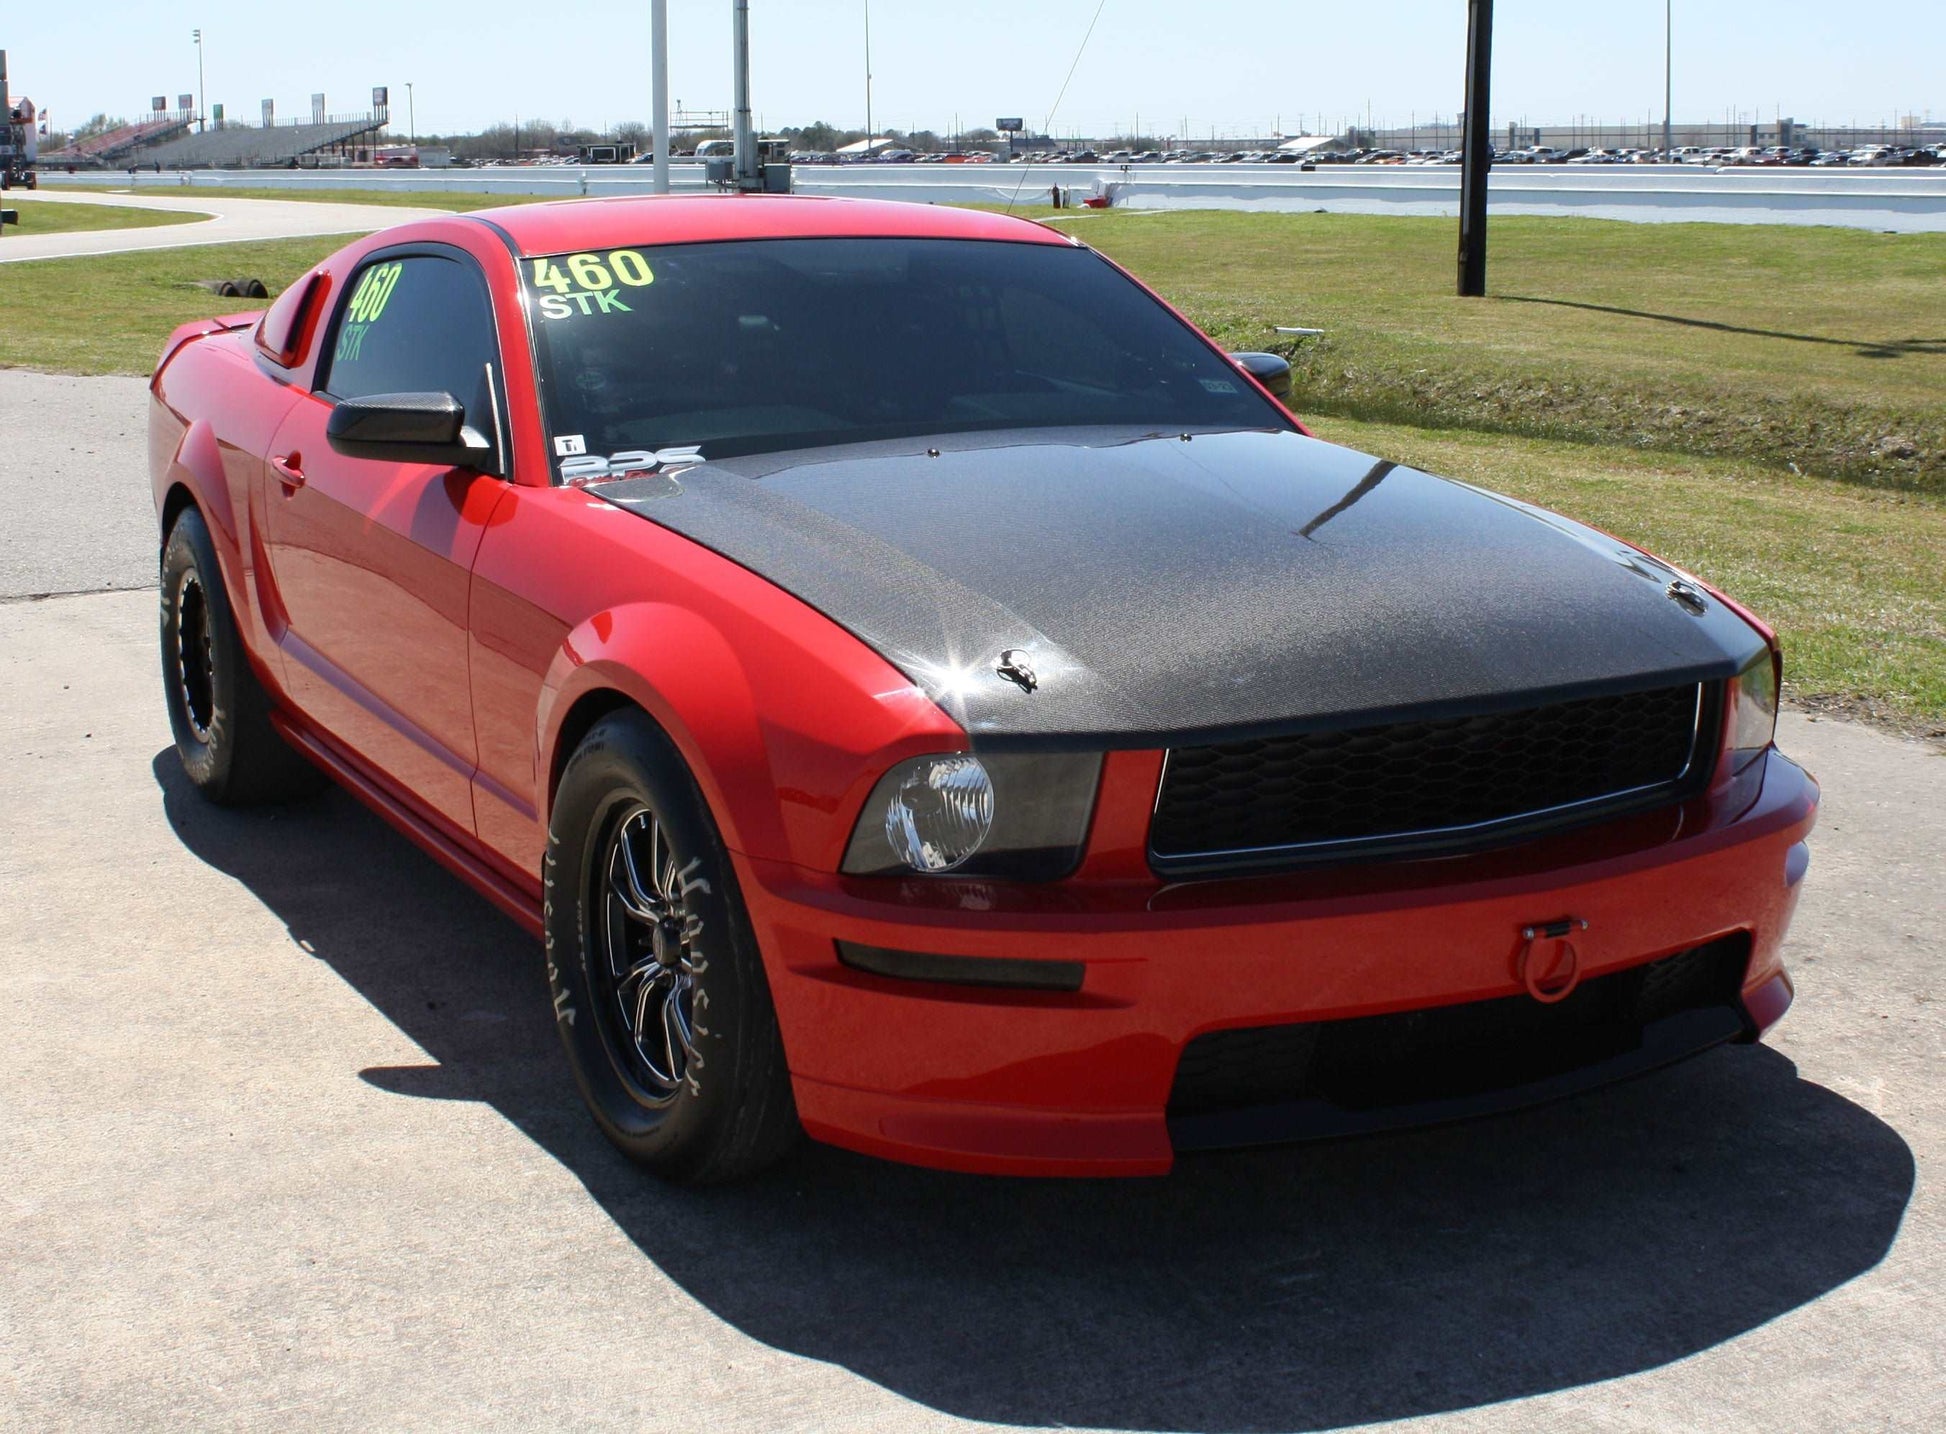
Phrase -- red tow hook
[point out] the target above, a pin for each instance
(1550, 983)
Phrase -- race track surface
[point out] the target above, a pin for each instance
(230, 221)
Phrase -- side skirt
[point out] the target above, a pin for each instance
(445, 847)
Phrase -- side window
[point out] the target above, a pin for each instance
(418, 324)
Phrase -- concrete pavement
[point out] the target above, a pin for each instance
(286, 1138)
(74, 481)
(229, 221)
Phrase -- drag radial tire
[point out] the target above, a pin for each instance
(218, 710)
(658, 988)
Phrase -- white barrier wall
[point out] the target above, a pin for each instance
(1901, 200)
(1909, 201)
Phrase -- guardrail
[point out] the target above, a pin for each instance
(1907, 201)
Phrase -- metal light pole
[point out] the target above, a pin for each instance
(659, 93)
(868, 79)
(746, 145)
(1668, 79)
(1476, 158)
(411, 116)
(201, 109)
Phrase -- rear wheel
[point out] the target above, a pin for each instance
(659, 991)
(218, 710)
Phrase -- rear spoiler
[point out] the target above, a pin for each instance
(198, 328)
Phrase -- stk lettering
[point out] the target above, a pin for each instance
(601, 301)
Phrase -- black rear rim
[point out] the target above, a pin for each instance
(646, 958)
(195, 656)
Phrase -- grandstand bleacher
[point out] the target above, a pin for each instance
(251, 146)
(116, 143)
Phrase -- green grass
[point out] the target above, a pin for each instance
(1853, 578)
(41, 216)
(1563, 405)
(1815, 347)
(110, 314)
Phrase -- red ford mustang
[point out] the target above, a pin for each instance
(925, 695)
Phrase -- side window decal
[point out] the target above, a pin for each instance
(366, 307)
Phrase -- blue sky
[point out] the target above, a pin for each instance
(1239, 68)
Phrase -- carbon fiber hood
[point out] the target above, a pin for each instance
(1212, 585)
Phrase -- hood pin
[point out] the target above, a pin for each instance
(1015, 668)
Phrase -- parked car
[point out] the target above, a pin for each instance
(925, 694)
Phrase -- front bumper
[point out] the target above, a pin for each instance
(1010, 1081)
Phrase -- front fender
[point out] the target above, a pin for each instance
(196, 467)
(212, 413)
(685, 674)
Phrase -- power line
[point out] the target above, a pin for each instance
(1048, 123)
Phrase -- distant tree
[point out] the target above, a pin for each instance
(978, 136)
(634, 132)
(818, 135)
(98, 125)
(497, 141)
(923, 140)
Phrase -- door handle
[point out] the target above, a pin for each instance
(288, 473)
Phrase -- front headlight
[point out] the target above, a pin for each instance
(1753, 711)
(939, 813)
(1018, 815)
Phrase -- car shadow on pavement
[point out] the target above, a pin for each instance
(1303, 1287)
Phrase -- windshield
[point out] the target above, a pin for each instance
(756, 346)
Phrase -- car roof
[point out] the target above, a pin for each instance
(686, 219)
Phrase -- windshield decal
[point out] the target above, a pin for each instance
(594, 468)
(566, 286)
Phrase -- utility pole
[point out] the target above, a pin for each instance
(659, 93)
(1668, 79)
(1476, 160)
(746, 145)
(869, 132)
(411, 116)
(201, 109)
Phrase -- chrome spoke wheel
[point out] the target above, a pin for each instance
(195, 655)
(649, 955)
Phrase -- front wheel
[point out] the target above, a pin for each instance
(659, 992)
(219, 712)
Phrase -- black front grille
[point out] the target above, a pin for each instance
(1445, 1053)
(1442, 784)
